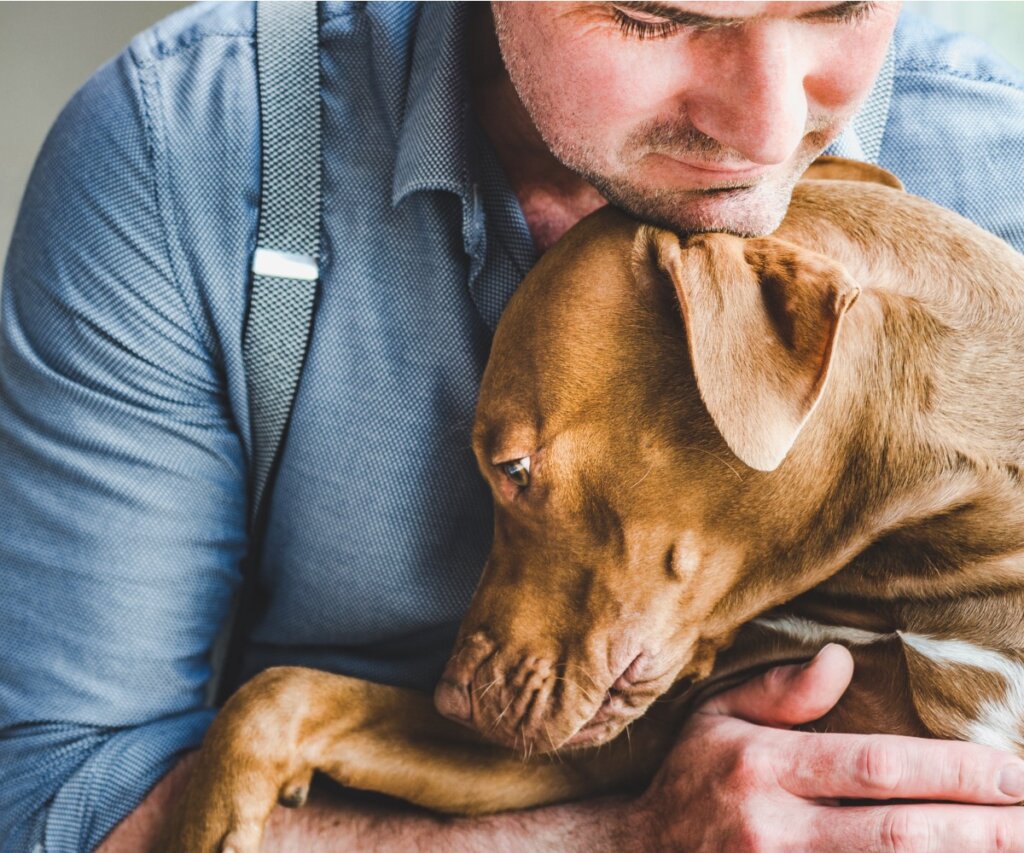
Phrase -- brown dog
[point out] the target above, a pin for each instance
(708, 455)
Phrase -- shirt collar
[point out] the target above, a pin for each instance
(432, 143)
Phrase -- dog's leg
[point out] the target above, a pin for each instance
(286, 723)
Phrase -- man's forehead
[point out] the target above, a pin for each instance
(726, 13)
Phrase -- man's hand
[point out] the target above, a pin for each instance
(739, 780)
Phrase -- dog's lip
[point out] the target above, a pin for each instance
(589, 735)
(606, 716)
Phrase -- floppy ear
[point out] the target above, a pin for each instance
(761, 317)
(841, 169)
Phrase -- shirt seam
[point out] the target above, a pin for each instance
(147, 83)
(911, 67)
(161, 50)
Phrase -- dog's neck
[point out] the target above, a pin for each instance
(901, 510)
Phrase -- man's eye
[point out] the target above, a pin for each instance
(517, 470)
(852, 13)
(649, 27)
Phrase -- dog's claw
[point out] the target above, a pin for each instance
(294, 792)
(293, 798)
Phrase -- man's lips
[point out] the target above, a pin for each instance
(706, 175)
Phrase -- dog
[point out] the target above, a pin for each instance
(709, 455)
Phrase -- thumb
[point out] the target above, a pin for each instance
(789, 695)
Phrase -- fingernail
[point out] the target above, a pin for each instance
(810, 663)
(1011, 781)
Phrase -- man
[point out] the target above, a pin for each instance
(124, 428)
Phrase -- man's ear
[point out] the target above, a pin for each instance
(761, 318)
(841, 169)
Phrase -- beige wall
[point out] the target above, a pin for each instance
(47, 50)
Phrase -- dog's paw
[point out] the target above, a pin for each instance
(256, 755)
(222, 814)
(294, 792)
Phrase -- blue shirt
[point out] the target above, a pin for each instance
(124, 422)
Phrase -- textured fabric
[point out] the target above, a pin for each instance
(124, 424)
(281, 309)
(869, 124)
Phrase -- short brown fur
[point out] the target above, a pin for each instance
(821, 425)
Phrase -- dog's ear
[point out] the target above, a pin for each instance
(841, 169)
(761, 318)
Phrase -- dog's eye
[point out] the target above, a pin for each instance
(517, 470)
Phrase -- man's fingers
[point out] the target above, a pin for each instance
(789, 695)
(887, 767)
(921, 828)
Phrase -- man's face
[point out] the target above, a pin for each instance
(695, 116)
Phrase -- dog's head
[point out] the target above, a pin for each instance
(636, 423)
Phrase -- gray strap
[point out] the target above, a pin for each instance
(285, 271)
(285, 262)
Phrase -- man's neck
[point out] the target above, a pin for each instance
(552, 198)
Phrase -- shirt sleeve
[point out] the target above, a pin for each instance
(955, 132)
(122, 485)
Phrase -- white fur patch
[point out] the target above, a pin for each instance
(999, 721)
(819, 634)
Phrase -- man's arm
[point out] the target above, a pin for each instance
(122, 480)
(332, 821)
(737, 780)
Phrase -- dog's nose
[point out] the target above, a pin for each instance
(451, 697)
(452, 701)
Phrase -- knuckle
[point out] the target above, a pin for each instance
(751, 767)
(751, 835)
(880, 767)
(1005, 836)
(905, 830)
(967, 776)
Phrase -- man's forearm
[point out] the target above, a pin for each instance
(331, 821)
(337, 822)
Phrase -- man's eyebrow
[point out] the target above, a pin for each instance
(693, 19)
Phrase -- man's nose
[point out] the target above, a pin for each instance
(751, 98)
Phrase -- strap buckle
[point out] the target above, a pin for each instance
(278, 264)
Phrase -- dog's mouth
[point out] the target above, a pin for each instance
(624, 702)
(608, 722)
(534, 704)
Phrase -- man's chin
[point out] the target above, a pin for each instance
(750, 211)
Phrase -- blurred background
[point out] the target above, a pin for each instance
(47, 50)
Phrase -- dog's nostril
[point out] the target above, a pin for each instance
(629, 675)
(670, 562)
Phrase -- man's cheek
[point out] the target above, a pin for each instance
(611, 87)
(847, 67)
